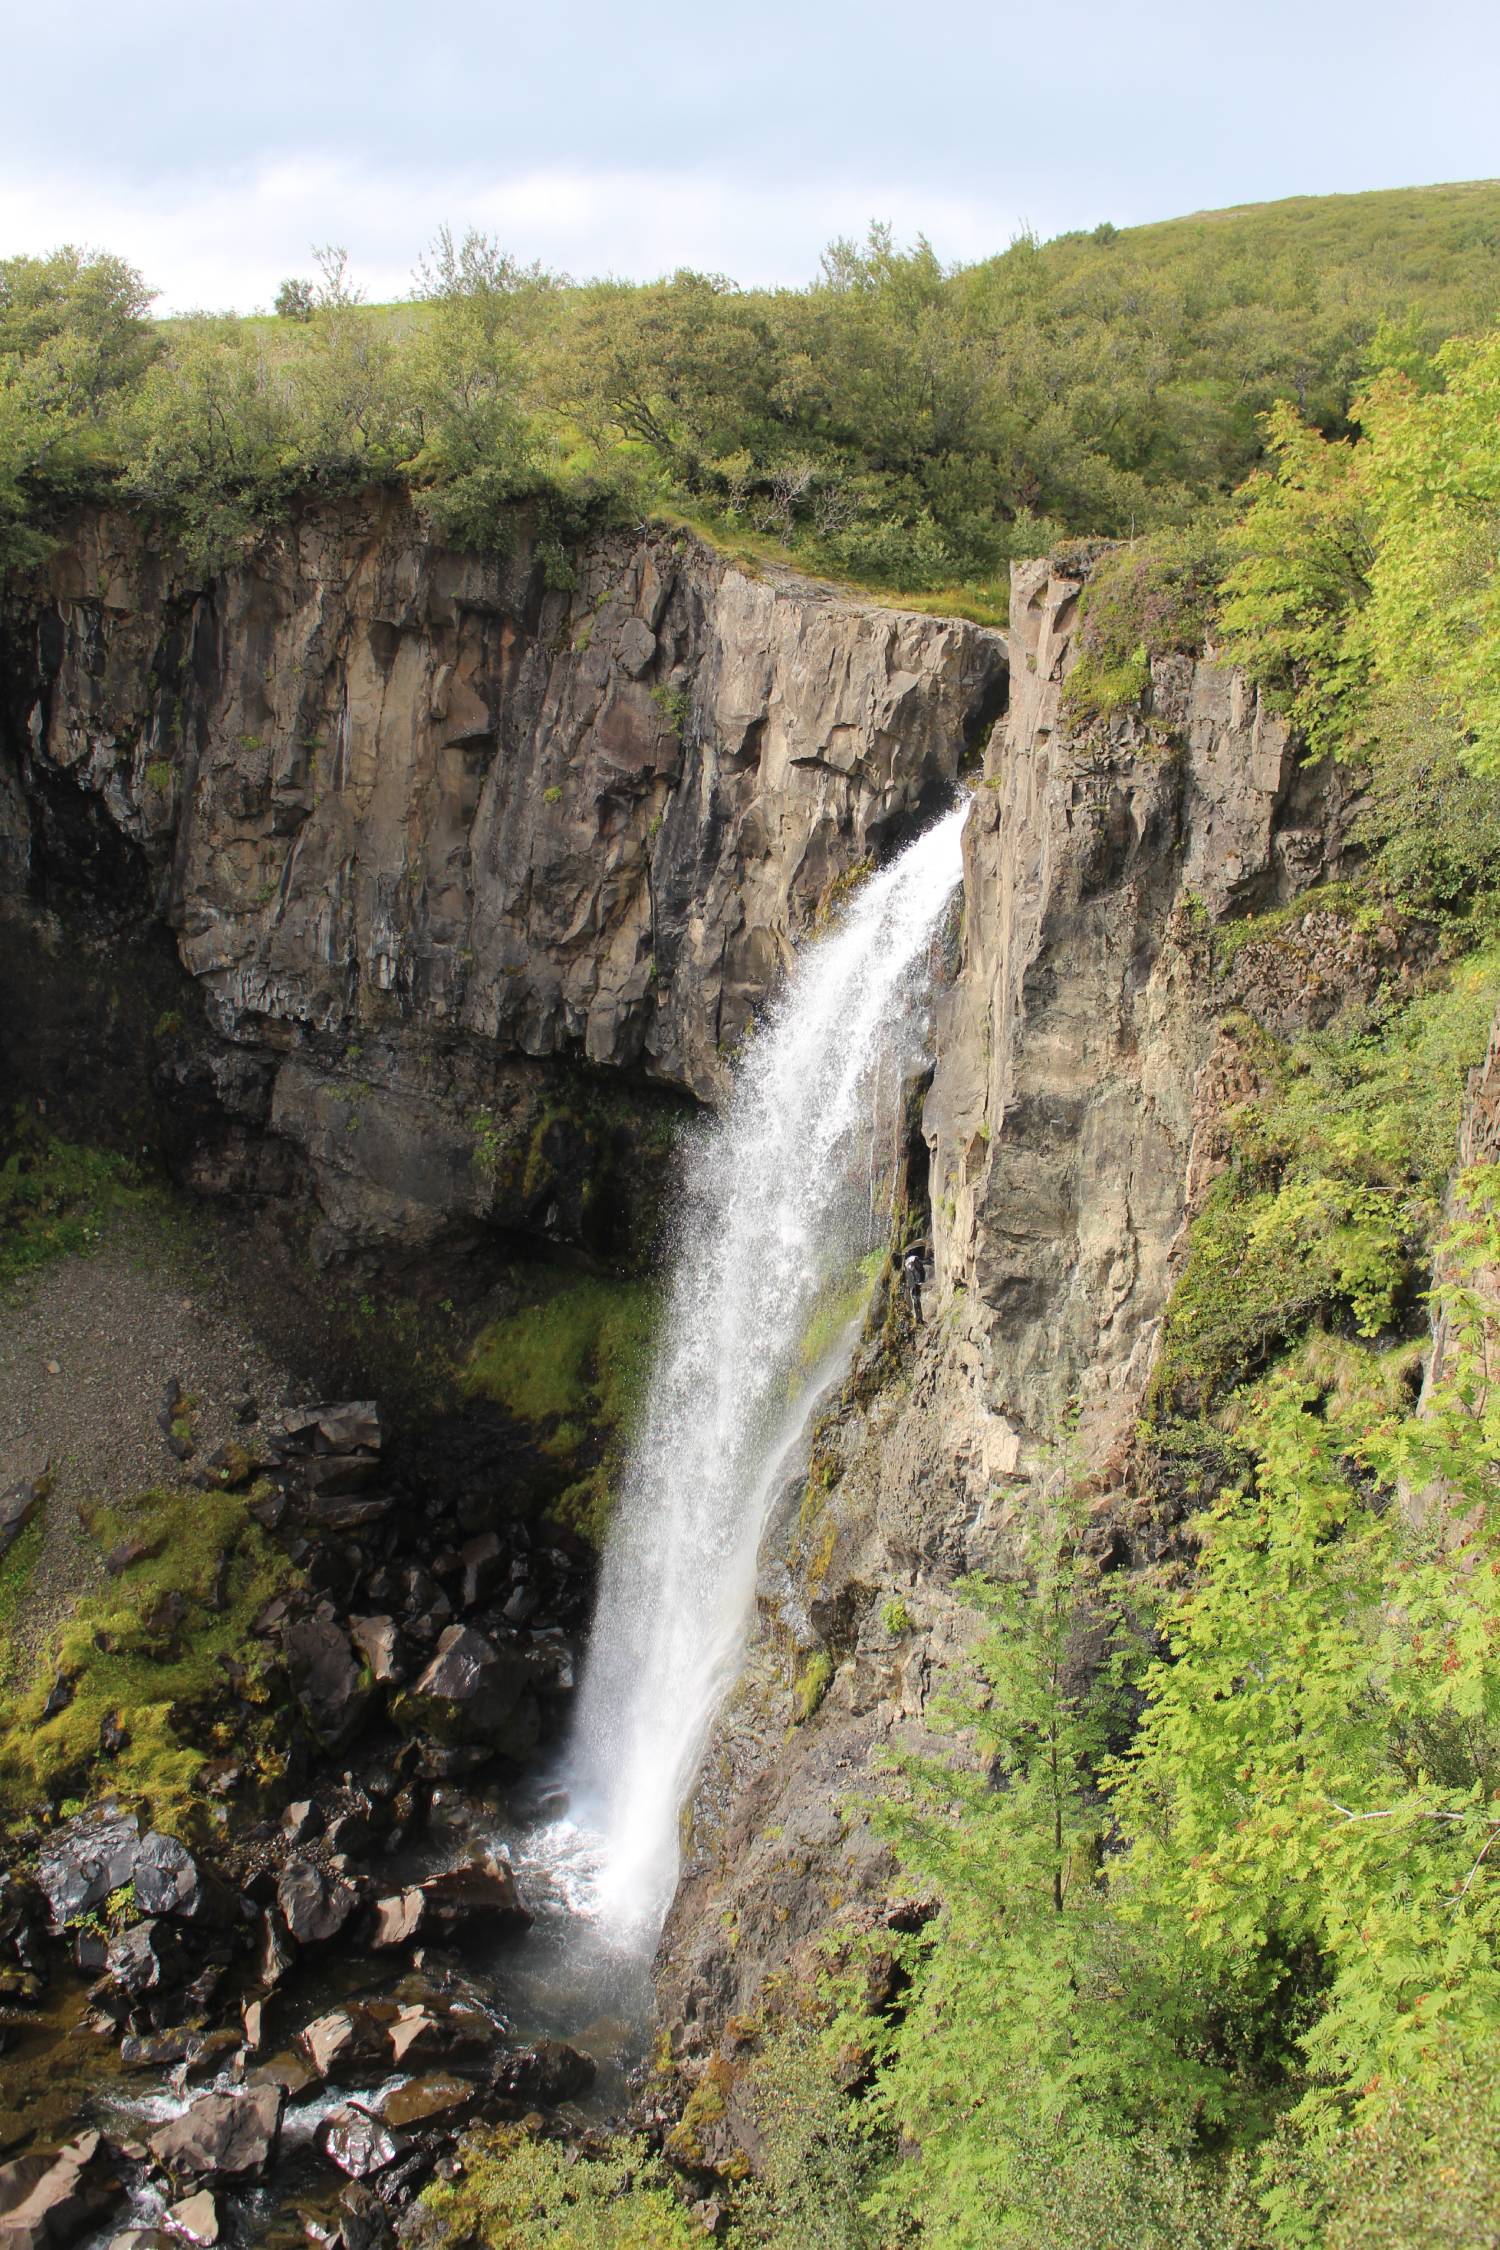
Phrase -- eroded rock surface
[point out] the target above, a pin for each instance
(1070, 1124)
(425, 830)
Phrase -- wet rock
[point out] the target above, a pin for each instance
(435, 2097)
(49, 2199)
(398, 1918)
(483, 1896)
(378, 1641)
(208, 2051)
(154, 2050)
(547, 2073)
(291, 2073)
(222, 2136)
(150, 1957)
(167, 1878)
(60, 1695)
(474, 1693)
(195, 2218)
(359, 2142)
(113, 1734)
(440, 2028)
(315, 1902)
(81, 1863)
(326, 1680)
(347, 2036)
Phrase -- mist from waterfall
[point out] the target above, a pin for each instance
(777, 1214)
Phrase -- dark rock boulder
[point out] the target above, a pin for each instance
(82, 1862)
(378, 1641)
(545, 2074)
(49, 2199)
(222, 2136)
(315, 1901)
(359, 2142)
(481, 1896)
(150, 1957)
(473, 1693)
(167, 1878)
(327, 1681)
(350, 2037)
(435, 2098)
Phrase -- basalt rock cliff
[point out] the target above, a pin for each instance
(1087, 1049)
(467, 886)
(473, 881)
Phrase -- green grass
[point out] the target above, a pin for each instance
(155, 1648)
(56, 1198)
(15, 1586)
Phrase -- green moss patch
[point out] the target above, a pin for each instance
(56, 1198)
(571, 1368)
(165, 1653)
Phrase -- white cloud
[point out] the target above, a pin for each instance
(226, 239)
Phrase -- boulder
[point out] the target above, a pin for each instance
(222, 2136)
(378, 1640)
(420, 2101)
(326, 1680)
(195, 2218)
(358, 2142)
(473, 1693)
(347, 2037)
(397, 1919)
(47, 2199)
(544, 2074)
(315, 1901)
(167, 1878)
(482, 1895)
(148, 1957)
(82, 1862)
(274, 1954)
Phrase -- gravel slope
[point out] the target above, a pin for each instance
(87, 1350)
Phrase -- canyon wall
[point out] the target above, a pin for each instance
(475, 878)
(1086, 1051)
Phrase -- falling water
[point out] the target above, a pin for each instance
(777, 1217)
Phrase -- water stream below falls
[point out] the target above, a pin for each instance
(777, 1214)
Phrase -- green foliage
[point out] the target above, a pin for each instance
(1330, 1205)
(521, 2194)
(74, 342)
(167, 1649)
(55, 1200)
(811, 1685)
(899, 422)
(572, 1367)
(1152, 598)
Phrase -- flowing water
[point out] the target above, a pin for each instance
(778, 1212)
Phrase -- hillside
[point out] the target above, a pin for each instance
(896, 423)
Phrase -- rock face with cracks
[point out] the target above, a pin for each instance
(427, 832)
(1071, 1123)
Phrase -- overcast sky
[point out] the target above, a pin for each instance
(213, 146)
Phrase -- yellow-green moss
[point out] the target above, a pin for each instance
(572, 1367)
(811, 1685)
(154, 1649)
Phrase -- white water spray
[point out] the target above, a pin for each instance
(777, 1214)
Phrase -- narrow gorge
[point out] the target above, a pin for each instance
(459, 950)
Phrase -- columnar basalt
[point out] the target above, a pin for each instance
(1071, 1123)
(417, 818)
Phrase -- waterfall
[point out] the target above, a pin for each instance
(776, 1218)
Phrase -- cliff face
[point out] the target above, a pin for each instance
(1082, 1066)
(428, 834)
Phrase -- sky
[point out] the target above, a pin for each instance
(214, 146)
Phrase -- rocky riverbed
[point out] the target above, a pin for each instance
(267, 2014)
